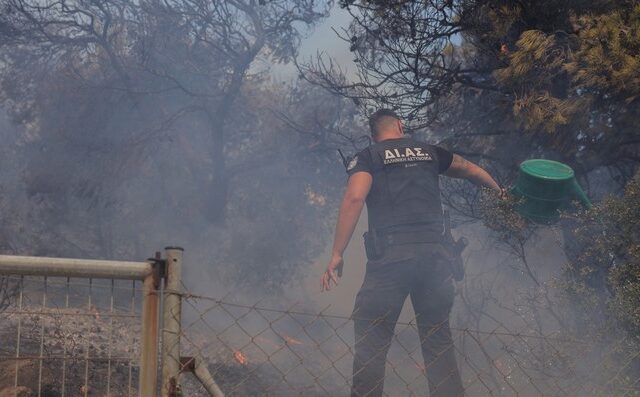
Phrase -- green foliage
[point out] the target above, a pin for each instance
(605, 277)
(608, 60)
(535, 69)
(500, 216)
(579, 76)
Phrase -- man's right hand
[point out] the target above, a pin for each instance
(333, 272)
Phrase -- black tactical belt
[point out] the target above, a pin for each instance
(400, 238)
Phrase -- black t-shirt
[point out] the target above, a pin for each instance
(405, 193)
(362, 161)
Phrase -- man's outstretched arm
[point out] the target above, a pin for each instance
(354, 198)
(465, 169)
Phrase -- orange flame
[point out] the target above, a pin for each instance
(291, 341)
(241, 358)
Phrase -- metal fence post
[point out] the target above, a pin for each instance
(150, 340)
(171, 322)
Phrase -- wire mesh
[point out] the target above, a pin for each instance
(256, 350)
(81, 337)
(69, 337)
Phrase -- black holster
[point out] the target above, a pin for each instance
(454, 249)
(373, 245)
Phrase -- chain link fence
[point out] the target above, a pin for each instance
(253, 350)
(65, 333)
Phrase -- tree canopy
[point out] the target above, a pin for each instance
(559, 78)
(138, 122)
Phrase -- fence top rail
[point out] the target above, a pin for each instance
(67, 267)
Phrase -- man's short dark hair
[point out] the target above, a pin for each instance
(378, 117)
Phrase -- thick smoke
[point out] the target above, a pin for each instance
(157, 125)
(163, 135)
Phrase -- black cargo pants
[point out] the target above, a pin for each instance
(421, 272)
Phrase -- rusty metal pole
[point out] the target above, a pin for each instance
(171, 322)
(198, 367)
(150, 341)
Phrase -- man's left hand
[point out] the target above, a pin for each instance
(333, 272)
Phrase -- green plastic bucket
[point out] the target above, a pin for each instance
(547, 187)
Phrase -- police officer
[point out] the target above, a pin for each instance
(398, 177)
